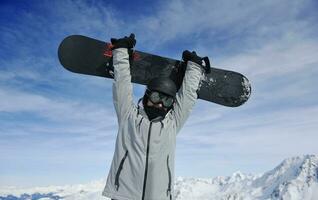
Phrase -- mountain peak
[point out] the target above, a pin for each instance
(293, 175)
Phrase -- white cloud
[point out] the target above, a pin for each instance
(210, 21)
(250, 141)
(59, 110)
(276, 58)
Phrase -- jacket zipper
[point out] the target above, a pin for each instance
(169, 174)
(119, 170)
(147, 158)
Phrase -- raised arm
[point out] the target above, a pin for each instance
(122, 86)
(187, 94)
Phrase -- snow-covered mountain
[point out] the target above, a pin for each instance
(294, 179)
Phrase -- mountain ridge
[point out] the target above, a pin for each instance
(295, 178)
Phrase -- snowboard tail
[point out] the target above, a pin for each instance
(84, 55)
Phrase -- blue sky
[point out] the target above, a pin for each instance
(58, 128)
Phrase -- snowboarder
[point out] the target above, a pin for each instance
(143, 162)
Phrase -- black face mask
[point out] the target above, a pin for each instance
(153, 112)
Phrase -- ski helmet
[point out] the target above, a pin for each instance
(164, 85)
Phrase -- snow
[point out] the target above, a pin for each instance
(294, 179)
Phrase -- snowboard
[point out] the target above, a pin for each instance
(84, 55)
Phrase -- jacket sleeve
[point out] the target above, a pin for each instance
(122, 86)
(187, 94)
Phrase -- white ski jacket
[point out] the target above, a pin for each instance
(143, 162)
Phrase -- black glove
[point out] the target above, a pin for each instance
(126, 42)
(192, 56)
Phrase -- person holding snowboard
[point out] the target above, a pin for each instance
(144, 157)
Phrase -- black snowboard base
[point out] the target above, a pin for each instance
(84, 55)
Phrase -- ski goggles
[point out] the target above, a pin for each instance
(158, 97)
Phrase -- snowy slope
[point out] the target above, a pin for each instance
(294, 179)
